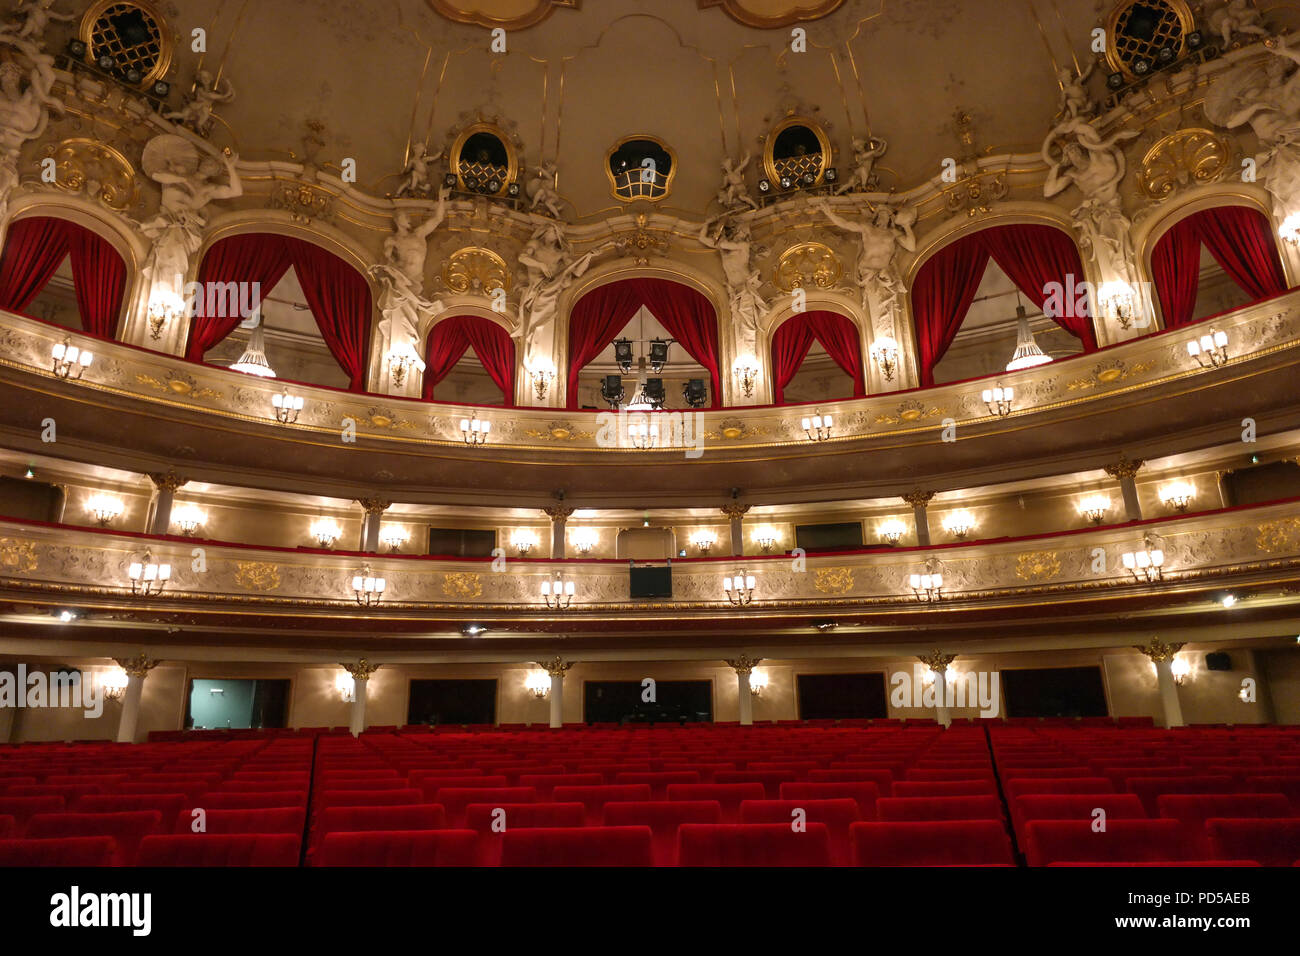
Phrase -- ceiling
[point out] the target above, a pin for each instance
(378, 77)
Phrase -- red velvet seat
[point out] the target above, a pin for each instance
(1123, 841)
(837, 815)
(366, 798)
(8, 827)
(578, 846)
(298, 782)
(430, 786)
(663, 817)
(863, 792)
(455, 799)
(658, 781)
(267, 820)
(127, 829)
(941, 788)
(1022, 785)
(1073, 806)
(1149, 788)
(398, 848)
(931, 843)
(705, 768)
(883, 779)
(752, 844)
(168, 804)
(1268, 842)
(979, 807)
(545, 783)
(595, 798)
(1289, 786)
(935, 776)
(255, 800)
(413, 816)
(772, 780)
(23, 809)
(1192, 810)
(61, 851)
(220, 849)
(485, 820)
(728, 795)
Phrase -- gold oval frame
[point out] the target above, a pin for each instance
(668, 182)
(512, 157)
(86, 32)
(769, 146)
(1186, 21)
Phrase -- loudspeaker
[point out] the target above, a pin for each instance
(1218, 662)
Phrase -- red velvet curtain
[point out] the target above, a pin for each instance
(941, 296)
(1032, 256)
(247, 258)
(1176, 270)
(35, 247)
(790, 345)
(837, 335)
(339, 298)
(451, 338)
(600, 315)
(99, 278)
(1242, 244)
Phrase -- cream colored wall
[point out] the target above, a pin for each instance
(1282, 670)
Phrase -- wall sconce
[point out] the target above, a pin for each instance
(1210, 350)
(1145, 564)
(402, 359)
(558, 594)
(739, 588)
(885, 353)
(584, 539)
(950, 675)
(474, 431)
(817, 428)
(757, 682)
(927, 587)
(105, 508)
(538, 683)
(148, 577)
(70, 361)
(523, 541)
(1178, 495)
(326, 532)
(112, 683)
(745, 369)
(366, 588)
(189, 518)
(1289, 231)
(958, 524)
(346, 686)
(542, 375)
(765, 537)
(703, 540)
(1180, 669)
(163, 307)
(286, 406)
(999, 400)
(644, 434)
(393, 537)
(1119, 302)
(1095, 508)
(891, 531)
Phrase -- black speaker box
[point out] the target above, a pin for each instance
(1218, 662)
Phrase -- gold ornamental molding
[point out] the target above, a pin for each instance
(1038, 566)
(556, 667)
(257, 575)
(475, 269)
(168, 480)
(462, 584)
(18, 556)
(361, 670)
(936, 661)
(805, 264)
(1188, 157)
(104, 173)
(133, 32)
(1124, 468)
(918, 499)
(833, 580)
(1158, 650)
(138, 666)
(744, 664)
(771, 14)
(1139, 29)
(508, 14)
(1275, 537)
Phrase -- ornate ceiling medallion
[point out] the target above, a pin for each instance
(797, 147)
(1188, 157)
(771, 14)
(805, 264)
(100, 170)
(475, 269)
(1137, 30)
(510, 14)
(484, 159)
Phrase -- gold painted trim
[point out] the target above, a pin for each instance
(165, 49)
(796, 119)
(540, 12)
(737, 11)
(668, 182)
(1186, 22)
(512, 156)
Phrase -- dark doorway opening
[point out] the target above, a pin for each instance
(842, 696)
(1054, 692)
(452, 702)
(621, 701)
(236, 704)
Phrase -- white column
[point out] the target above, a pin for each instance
(557, 699)
(137, 669)
(941, 712)
(360, 672)
(1124, 471)
(1169, 704)
(919, 500)
(743, 666)
(736, 515)
(375, 508)
(167, 485)
(559, 516)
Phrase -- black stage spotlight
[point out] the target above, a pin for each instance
(696, 393)
(764, 186)
(450, 180)
(808, 179)
(1167, 55)
(1115, 81)
(654, 392)
(1141, 66)
(493, 187)
(623, 354)
(658, 355)
(513, 190)
(832, 175)
(106, 63)
(134, 76)
(162, 88)
(611, 390)
(787, 182)
(77, 49)
(1194, 40)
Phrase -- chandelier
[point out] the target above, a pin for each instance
(1094, 508)
(959, 524)
(326, 532)
(1027, 354)
(891, 531)
(253, 361)
(927, 586)
(189, 518)
(105, 508)
(703, 540)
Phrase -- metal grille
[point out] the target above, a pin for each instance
(480, 177)
(796, 166)
(628, 185)
(1168, 32)
(142, 55)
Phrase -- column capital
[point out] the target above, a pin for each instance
(374, 506)
(558, 512)
(744, 664)
(556, 668)
(361, 670)
(168, 480)
(936, 660)
(1124, 468)
(1158, 650)
(918, 498)
(735, 510)
(138, 666)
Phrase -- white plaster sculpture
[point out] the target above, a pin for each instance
(416, 178)
(1236, 17)
(207, 93)
(35, 16)
(865, 153)
(734, 194)
(1075, 101)
(544, 193)
(733, 242)
(883, 233)
(24, 115)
